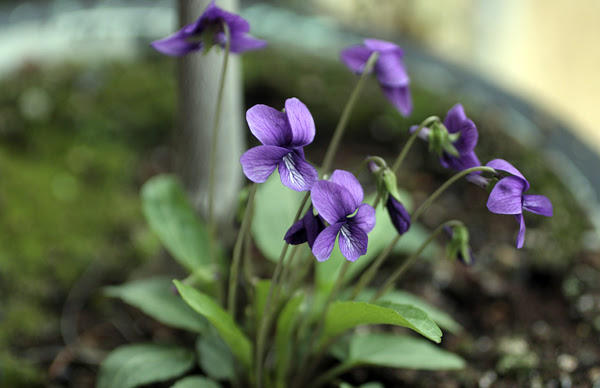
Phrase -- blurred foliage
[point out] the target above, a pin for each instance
(73, 142)
(76, 144)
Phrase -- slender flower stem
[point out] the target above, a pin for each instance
(368, 275)
(237, 251)
(408, 262)
(406, 148)
(215, 135)
(445, 186)
(331, 373)
(410, 141)
(266, 317)
(317, 332)
(339, 130)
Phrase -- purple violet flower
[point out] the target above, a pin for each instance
(336, 201)
(457, 123)
(283, 135)
(398, 214)
(507, 197)
(193, 36)
(389, 70)
(305, 229)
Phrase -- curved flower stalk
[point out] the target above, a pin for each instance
(455, 141)
(387, 189)
(336, 201)
(507, 197)
(283, 135)
(389, 70)
(458, 247)
(207, 31)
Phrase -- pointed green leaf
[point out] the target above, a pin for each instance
(174, 220)
(275, 207)
(134, 365)
(155, 298)
(215, 357)
(232, 335)
(196, 382)
(397, 351)
(441, 318)
(342, 316)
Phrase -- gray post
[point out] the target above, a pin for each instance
(197, 82)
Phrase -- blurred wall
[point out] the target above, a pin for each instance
(546, 51)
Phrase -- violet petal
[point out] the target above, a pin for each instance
(521, 235)
(332, 201)
(355, 58)
(296, 234)
(176, 45)
(506, 196)
(390, 70)
(349, 181)
(465, 161)
(503, 165)
(364, 217)
(382, 46)
(398, 214)
(269, 125)
(325, 241)
(260, 162)
(301, 122)
(538, 204)
(353, 241)
(296, 173)
(241, 43)
(400, 97)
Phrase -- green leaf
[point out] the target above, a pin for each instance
(441, 318)
(215, 357)
(196, 382)
(140, 364)
(283, 334)
(174, 220)
(232, 335)
(397, 351)
(342, 316)
(154, 297)
(275, 207)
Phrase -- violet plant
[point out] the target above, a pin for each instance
(285, 330)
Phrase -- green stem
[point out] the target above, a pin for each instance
(331, 373)
(408, 262)
(215, 135)
(370, 273)
(317, 332)
(237, 251)
(445, 186)
(266, 317)
(339, 130)
(410, 141)
(405, 149)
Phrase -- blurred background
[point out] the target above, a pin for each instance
(87, 114)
